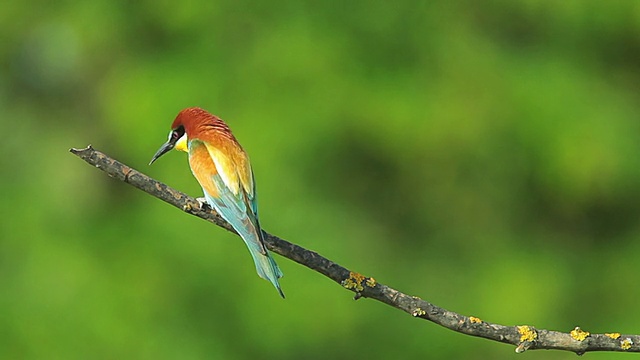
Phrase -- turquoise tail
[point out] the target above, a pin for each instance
(246, 224)
(266, 266)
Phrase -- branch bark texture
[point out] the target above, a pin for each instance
(523, 337)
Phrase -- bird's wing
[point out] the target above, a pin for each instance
(235, 204)
(245, 175)
(225, 168)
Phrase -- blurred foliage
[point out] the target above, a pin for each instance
(482, 155)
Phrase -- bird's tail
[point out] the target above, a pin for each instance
(243, 219)
(265, 265)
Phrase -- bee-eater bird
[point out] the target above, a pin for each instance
(223, 170)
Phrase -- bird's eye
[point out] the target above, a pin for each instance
(176, 134)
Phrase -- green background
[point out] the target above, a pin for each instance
(480, 154)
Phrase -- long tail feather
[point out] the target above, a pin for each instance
(265, 265)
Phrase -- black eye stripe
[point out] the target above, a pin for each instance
(177, 133)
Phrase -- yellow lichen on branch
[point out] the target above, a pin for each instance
(371, 282)
(528, 336)
(354, 282)
(527, 333)
(626, 344)
(579, 334)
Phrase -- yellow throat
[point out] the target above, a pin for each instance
(182, 144)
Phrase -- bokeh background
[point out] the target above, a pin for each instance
(481, 155)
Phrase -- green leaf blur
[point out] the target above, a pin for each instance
(481, 155)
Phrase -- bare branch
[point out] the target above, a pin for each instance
(523, 337)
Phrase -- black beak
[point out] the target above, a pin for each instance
(165, 148)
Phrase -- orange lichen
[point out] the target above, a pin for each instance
(527, 333)
(475, 320)
(612, 335)
(626, 344)
(579, 334)
(354, 282)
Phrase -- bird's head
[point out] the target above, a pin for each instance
(190, 122)
(178, 138)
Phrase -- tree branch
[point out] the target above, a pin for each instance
(523, 337)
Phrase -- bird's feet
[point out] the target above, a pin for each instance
(204, 205)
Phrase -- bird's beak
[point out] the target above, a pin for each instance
(165, 148)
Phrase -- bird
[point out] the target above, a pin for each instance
(222, 167)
